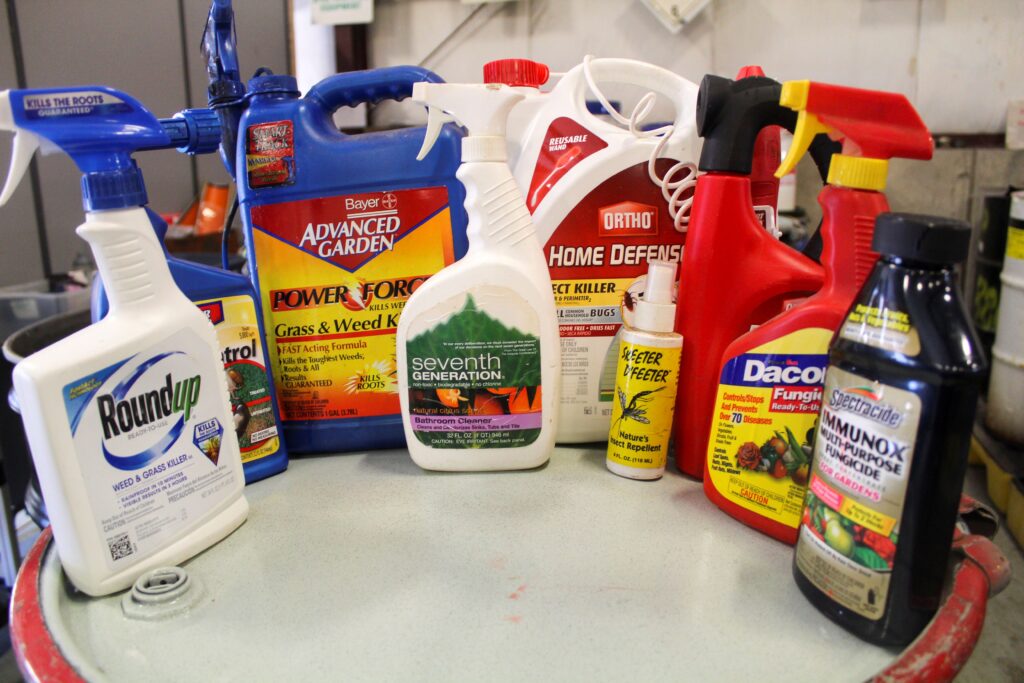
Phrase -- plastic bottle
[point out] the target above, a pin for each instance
(127, 419)
(478, 357)
(734, 273)
(770, 387)
(339, 230)
(607, 195)
(645, 380)
(229, 301)
(1004, 413)
(891, 450)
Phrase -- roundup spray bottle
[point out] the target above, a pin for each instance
(608, 195)
(478, 357)
(734, 273)
(771, 378)
(340, 230)
(128, 419)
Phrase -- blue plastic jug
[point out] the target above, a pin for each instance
(340, 230)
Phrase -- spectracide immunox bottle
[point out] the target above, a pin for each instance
(902, 383)
(606, 200)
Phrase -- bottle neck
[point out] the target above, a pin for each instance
(847, 230)
(497, 213)
(129, 257)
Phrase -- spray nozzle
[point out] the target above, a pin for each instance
(24, 147)
(481, 108)
(656, 309)
(226, 91)
(99, 128)
(219, 45)
(873, 127)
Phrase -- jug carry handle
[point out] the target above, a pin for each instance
(680, 91)
(376, 85)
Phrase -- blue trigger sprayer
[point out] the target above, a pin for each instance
(128, 420)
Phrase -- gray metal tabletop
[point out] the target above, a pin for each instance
(364, 567)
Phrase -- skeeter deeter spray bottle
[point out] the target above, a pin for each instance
(128, 418)
(478, 353)
(771, 378)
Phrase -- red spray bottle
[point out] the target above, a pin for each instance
(734, 273)
(771, 378)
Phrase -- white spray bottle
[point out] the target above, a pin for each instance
(478, 355)
(128, 420)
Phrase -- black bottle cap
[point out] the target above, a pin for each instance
(929, 239)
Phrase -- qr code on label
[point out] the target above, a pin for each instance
(120, 547)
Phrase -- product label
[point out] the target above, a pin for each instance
(598, 257)
(647, 378)
(884, 328)
(765, 414)
(862, 459)
(1015, 242)
(474, 367)
(72, 104)
(241, 350)
(148, 434)
(334, 274)
(270, 154)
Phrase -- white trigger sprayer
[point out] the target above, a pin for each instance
(25, 145)
(483, 116)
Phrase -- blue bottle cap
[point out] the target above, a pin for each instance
(273, 83)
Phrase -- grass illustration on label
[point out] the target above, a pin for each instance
(475, 382)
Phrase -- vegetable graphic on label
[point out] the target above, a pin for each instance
(633, 410)
(864, 546)
(778, 456)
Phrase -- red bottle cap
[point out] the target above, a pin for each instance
(749, 70)
(516, 72)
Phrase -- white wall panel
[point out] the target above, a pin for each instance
(958, 60)
(971, 63)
